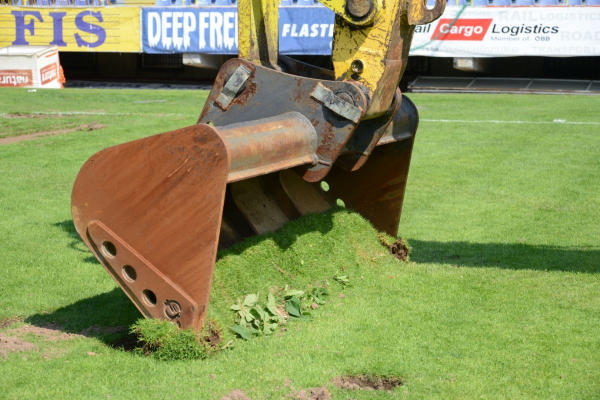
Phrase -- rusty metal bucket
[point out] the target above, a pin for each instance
(155, 211)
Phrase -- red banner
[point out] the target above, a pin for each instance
(461, 29)
(49, 73)
(16, 77)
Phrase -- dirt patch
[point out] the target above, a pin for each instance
(32, 136)
(128, 342)
(26, 115)
(367, 382)
(400, 250)
(5, 323)
(318, 393)
(214, 336)
(49, 332)
(8, 344)
(236, 395)
(95, 330)
(54, 332)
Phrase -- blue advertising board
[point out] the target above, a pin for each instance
(213, 30)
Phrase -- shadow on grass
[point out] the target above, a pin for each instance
(106, 317)
(287, 235)
(100, 315)
(76, 243)
(507, 255)
(284, 237)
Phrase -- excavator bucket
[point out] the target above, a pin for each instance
(155, 211)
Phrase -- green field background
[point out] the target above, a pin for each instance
(501, 298)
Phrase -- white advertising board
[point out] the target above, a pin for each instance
(30, 66)
(510, 31)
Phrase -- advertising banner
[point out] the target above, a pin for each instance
(213, 30)
(111, 29)
(510, 31)
(460, 32)
(16, 77)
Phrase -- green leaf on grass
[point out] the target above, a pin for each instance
(250, 300)
(242, 331)
(293, 307)
(342, 279)
(292, 292)
(271, 304)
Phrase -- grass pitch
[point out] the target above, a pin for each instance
(500, 299)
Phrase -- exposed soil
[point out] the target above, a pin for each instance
(399, 249)
(95, 330)
(236, 395)
(5, 323)
(32, 136)
(26, 115)
(8, 344)
(49, 332)
(318, 393)
(126, 342)
(367, 382)
(54, 332)
(11, 340)
(214, 337)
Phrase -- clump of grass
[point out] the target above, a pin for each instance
(165, 341)
(398, 247)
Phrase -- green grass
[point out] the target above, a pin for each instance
(501, 298)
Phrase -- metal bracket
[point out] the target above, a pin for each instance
(150, 290)
(233, 86)
(336, 104)
(419, 14)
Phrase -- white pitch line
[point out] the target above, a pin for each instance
(496, 121)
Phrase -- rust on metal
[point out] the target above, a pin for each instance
(274, 93)
(367, 136)
(158, 201)
(151, 291)
(344, 107)
(271, 144)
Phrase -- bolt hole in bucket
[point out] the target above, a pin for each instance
(325, 186)
(109, 249)
(129, 273)
(149, 297)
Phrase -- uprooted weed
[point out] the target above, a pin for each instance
(258, 319)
